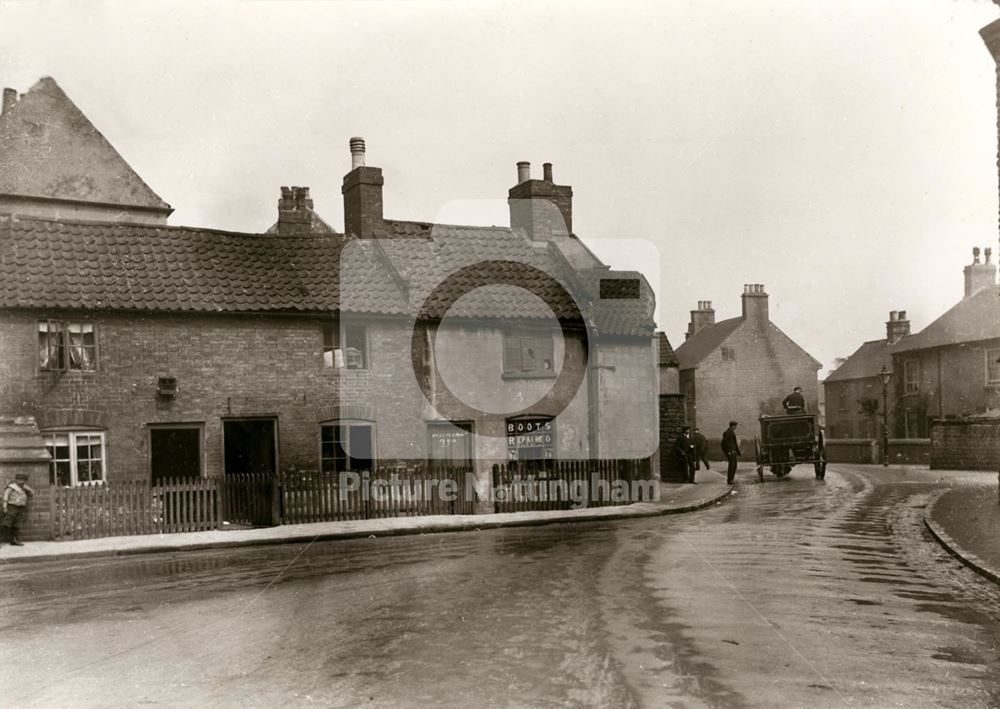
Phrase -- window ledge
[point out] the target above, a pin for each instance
(528, 375)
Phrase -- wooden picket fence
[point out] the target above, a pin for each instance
(249, 499)
(313, 496)
(134, 507)
(300, 497)
(566, 484)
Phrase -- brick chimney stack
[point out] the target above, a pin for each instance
(294, 212)
(755, 306)
(979, 275)
(543, 209)
(9, 99)
(701, 318)
(362, 190)
(897, 327)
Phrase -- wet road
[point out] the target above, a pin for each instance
(794, 593)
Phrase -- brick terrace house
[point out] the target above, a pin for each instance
(145, 351)
(858, 379)
(741, 368)
(950, 368)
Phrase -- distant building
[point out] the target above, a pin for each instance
(950, 367)
(742, 367)
(55, 164)
(856, 383)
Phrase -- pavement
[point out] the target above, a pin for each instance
(674, 498)
(966, 521)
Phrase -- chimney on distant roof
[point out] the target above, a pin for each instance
(701, 318)
(897, 327)
(294, 212)
(523, 171)
(755, 308)
(979, 275)
(9, 99)
(543, 209)
(362, 190)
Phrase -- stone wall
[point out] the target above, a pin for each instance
(851, 450)
(965, 444)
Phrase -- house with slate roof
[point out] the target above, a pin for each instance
(950, 368)
(858, 380)
(55, 164)
(741, 368)
(147, 351)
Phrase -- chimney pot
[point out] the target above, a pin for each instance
(547, 171)
(523, 171)
(897, 327)
(975, 254)
(988, 252)
(357, 153)
(9, 99)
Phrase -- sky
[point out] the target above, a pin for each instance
(841, 153)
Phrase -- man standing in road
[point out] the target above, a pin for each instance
(794, 403)
(731, 447)
(684, 453)
(700, 449)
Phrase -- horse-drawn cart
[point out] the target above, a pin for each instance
(789, 440)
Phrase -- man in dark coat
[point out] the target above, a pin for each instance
(794, 403)
(684, 453)
(731, 447)
(700, 449)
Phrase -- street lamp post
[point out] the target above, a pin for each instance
(886, 375)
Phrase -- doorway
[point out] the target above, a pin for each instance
(250, 446)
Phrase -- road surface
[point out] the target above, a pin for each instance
(798, 593)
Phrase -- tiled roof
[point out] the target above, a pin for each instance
(491, 254)
(867, 361)
(48, 148)
(55, 264)
(91, 265)
(667, 356)
(697, 347)
(973, 319)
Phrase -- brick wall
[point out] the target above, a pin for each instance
(673, 416)
(272, 366)
(965, 444)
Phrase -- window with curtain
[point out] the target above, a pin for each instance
(347, 348)
(67, 345)
(78, 457)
